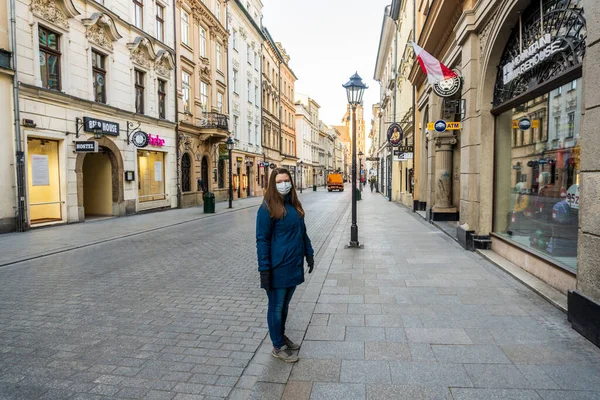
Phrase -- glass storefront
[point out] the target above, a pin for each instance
(151, 175)
(537, 174)
(43, 181)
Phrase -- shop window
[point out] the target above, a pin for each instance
(537, 184)
(151, 175)
(162, 96)
(99, 76)
(139, 92)
(50, 55)
(186, 173)
(43, 181)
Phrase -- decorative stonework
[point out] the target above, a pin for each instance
(484, 35)
(57, 12)
(101, 30)
(142, 52)
(236, 63)
(164, 63)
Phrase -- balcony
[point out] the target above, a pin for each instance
(214, 120)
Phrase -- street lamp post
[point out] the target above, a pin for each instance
(301, 168)
(230, 144)
(355, 89)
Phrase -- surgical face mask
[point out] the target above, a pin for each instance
(284, 187)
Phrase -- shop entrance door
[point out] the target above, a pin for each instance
(44, 181)
(97, 185)
(204, 174)
(249, 177)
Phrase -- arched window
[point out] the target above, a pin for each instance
(186, 172)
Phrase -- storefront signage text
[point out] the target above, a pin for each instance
(108, 128)
(535, 54)
(155, 141)
(87, 146)
(441, 126)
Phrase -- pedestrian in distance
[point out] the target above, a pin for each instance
(282, 244)
(372, 181)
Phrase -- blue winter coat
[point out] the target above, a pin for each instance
(281, 245)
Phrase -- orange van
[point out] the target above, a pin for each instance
(335, 182)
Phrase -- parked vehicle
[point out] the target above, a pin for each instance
(335, 182)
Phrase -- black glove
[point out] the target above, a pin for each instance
(265, 279)
(310, 260)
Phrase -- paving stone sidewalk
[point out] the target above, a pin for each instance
(16, 247)
(414, 316)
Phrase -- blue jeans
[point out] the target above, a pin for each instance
(279, 301)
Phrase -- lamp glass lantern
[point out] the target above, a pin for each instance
(230, 143)
(355, 88)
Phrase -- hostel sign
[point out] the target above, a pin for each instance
(535, 54)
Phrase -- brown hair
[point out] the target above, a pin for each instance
(274, 199)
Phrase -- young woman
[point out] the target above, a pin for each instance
(281, 245)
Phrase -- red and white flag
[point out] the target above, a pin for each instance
(435, 70)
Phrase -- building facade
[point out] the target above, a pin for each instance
(245, 55)
(8, 196)
(203, 99)
(289, 158)
(97, 108)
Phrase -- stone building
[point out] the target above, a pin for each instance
(8, 196)
(245, 55)
(203, 99)
(307, 139)
(289, 157)
(505, 148)
(97, 108)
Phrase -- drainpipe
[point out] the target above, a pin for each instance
(21, 196)
(177, 138)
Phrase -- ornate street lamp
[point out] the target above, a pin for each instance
(355, 89)
(230, 144)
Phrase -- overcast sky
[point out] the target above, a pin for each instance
(329, 40)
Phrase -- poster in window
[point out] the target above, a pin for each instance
(40, 174)
(158, 171)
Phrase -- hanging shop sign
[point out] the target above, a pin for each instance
(140, 139)
(108, 128)
(156, 141)
(395, 134)
(447, 87)
(86, 146)
(522, 124)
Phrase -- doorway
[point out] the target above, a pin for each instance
(97, 185)
(204, 173)
(249, 177)
(44, 181)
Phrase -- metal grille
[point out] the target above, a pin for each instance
(186, 178)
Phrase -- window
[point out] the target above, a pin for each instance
(249, 91)
(573, 85)
(139, 92)
(250, 131)
(202, 43)
(248, 54)
(99, 76)
(219, 57)
(218, 10)
(185, 28)
(185, 88)
(220, 102)
(234, 39)
(138, 13)
(235, 125)
(571, 132)
(151, 175)
(204, 96)
(256, 136)
(256, 95)
(256, 61)
(162, 96)
(558, 91)
(49, 58)
(160, 22)
(235, 81)
(557, 124)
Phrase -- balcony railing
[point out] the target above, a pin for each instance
(214, 120)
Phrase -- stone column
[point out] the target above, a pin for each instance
(444, 142)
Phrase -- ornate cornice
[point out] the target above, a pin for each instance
(101, 30)
(57, 12)
(142, 52)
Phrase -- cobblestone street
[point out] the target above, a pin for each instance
(175, 312)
